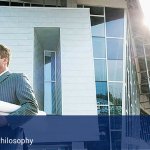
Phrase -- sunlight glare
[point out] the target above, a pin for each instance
(145, 4)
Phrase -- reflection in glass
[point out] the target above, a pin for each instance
(49, 67)
(142, 63)
(144, 77)
(145, 88)
(147, 50)
(101, 93)
(99, 47)
(115, 93)
(100, 70)
(115, 70)
(96, 10)
(114, 22)
(148, 62)
(139, 47)
(115, 110)
(115, 48)
(97, 25)
(102, 110)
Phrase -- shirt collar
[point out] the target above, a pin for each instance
(3, 72)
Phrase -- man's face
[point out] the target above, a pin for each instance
(3, 64)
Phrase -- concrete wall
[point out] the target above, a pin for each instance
(58, 81)
(38, 75)
(77, 66)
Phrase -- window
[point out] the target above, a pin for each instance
(114, 22)
(115, 110)
(142, 63)
(96, 10)
(102, 110)
(147, 50)
(97, 25)
(99, 49)
(100, 70)
(115, 98)
(49, 80)
(101, 93)
(115, 48)
(115, 93)
(115, 70)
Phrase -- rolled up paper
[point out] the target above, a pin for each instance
(6, 108)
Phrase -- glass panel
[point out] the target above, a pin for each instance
(115, 110)
(115, 70)
(102, 110)
(49, 68)
(100, 70)
(145, 88)
(115, 93)
(139, 47)
(115, 48)
(49, 84)
(80, 6)
(16, 4)
(97, 25)
(144, 77)
(96, 10)
(99, 49)
(48, 97)
(53, 66)
(147, 50)
(114, 22)
(142, 63)
(148, 62)
(101, 93)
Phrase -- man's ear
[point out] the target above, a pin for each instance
(5, 60)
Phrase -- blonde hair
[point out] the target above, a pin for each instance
(4, 52)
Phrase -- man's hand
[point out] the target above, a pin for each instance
(3, 121)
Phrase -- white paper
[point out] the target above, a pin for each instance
(6, 108)
(3, 114)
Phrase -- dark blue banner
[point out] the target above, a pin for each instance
(75, 133)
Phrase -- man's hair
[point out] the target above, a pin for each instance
(4, 52)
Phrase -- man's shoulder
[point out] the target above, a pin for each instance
(17, 76)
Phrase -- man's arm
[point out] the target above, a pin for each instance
(26, 97)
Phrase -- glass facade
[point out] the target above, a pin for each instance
(107, 26)
(132, 92)
(115, 63)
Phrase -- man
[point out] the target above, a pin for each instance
(15, 88)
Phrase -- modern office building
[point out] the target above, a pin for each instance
(83, 57)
